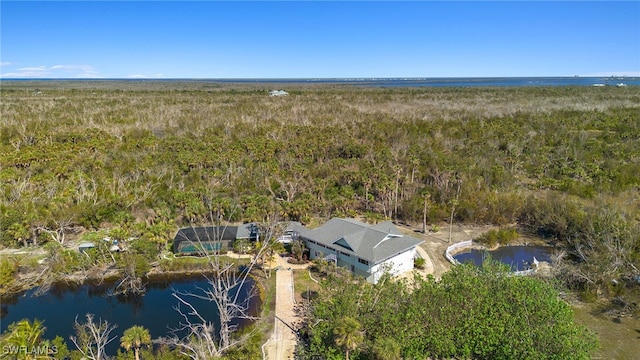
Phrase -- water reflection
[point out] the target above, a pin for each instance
(155, 310)
(518, 257)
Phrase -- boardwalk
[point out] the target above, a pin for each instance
(282, 343)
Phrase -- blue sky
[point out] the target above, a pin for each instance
(213, 39)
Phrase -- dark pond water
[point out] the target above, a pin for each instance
(518, 257)
(155, 310)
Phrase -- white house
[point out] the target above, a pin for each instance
(278, 93)
(366, 250)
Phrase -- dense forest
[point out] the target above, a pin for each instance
(143, 159)
(560, 162)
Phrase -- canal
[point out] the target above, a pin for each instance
(156, 311)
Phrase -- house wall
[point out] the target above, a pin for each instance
(316, 251)
(396, 265)
(319, 251)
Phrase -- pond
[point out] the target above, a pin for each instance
(518, 257)
(155, 310)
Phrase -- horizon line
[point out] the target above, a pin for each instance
(356, 78)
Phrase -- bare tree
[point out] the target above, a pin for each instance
(92, 337)
(59, 228)
(426, 197)
(454, 203)
(134, 268)
(395, 194)
(87, 190)
(227, 290)
(18, 187)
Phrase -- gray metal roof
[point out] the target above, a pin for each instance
(375, 243)
(293, 226)
(208, 233)
(248, 231)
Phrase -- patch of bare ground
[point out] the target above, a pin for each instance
(436, 243)
(619, 336)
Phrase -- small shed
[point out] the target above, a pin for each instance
(86, 246)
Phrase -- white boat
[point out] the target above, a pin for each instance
(621, 85)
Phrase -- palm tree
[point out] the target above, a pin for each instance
(267, 252)
(26, 335)
(135, 337)
(386, 349)
(297, 249)
(348, 334)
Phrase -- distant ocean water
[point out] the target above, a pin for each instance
(458, 82)
(404, 82)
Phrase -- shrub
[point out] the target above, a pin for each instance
(502, 236)
(471, 313)
(8, 270)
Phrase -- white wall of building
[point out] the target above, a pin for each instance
(396, 265)
(348, 261)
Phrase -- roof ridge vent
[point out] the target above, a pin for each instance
(389, 236)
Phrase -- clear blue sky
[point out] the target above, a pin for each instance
(212, 39)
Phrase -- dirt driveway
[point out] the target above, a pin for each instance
(436, 243)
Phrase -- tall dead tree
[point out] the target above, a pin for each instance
(454, 203)
(227, 290)
(395, 194)
(426, 197)
(93, 337)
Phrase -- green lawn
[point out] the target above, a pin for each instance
(304, 284)
(268, 298)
